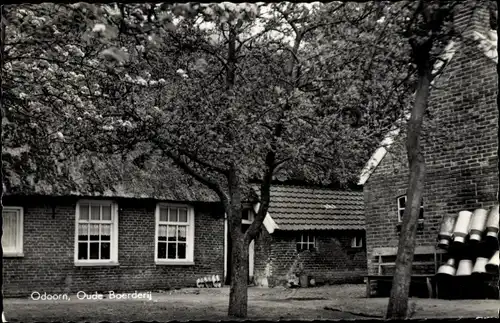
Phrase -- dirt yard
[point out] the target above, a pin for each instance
(328, 302)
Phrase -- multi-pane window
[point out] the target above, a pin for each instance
(402, 205)
(175, 234)
(12, 238)
(97, 230)
(306, 242)
(357, 242)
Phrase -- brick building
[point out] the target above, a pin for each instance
(314, 232)
(68, 244)
(460, 146)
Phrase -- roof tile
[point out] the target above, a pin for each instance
(305, 208)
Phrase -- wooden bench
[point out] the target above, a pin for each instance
(380, 253)
(428, 279)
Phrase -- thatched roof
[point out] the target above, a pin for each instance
(108, 177)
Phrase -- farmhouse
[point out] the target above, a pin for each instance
(63, 244)
(315, 233)
(460, 147)
(160, 230)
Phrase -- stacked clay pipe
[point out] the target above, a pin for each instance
(459, 232)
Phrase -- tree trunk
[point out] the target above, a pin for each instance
(398, 302)
(238, 296)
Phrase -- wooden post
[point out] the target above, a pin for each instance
(368, 287)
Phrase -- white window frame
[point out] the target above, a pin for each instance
(357, 242)
(189, 235)
(18, 251)
(113, 261)
(306, 239)
(402, 208)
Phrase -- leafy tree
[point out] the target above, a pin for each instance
(227, 93)
(428, 30)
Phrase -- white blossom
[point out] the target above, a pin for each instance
(22, 95)
(108, 127)
(99, 27)
(93, 62)
(60, 135)
(162, 81)
(78, 52)
(141, 81)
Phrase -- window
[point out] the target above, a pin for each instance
(357, 242)
(247, 216)
(306, 242)
(12, 238)
(174, 234)
(96, 233)
(402, 205)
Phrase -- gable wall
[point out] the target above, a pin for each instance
(460, 152)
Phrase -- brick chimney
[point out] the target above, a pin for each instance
(472, 16)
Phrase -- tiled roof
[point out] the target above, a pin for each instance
(304, 208)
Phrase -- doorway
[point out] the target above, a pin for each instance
(247, 219)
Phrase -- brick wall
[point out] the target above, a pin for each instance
(334, 261)
(48, 262)
(460, 148)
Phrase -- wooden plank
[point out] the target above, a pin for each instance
(391, 251)
(418, 263)
(380, 265)
(373, 277)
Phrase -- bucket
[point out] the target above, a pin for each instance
(464, 267)
(448, 268)
(446, 230)
(492, 223)
(304, 281)
(480, 265)
(478, 223)
(492, 265)
(462, 226)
